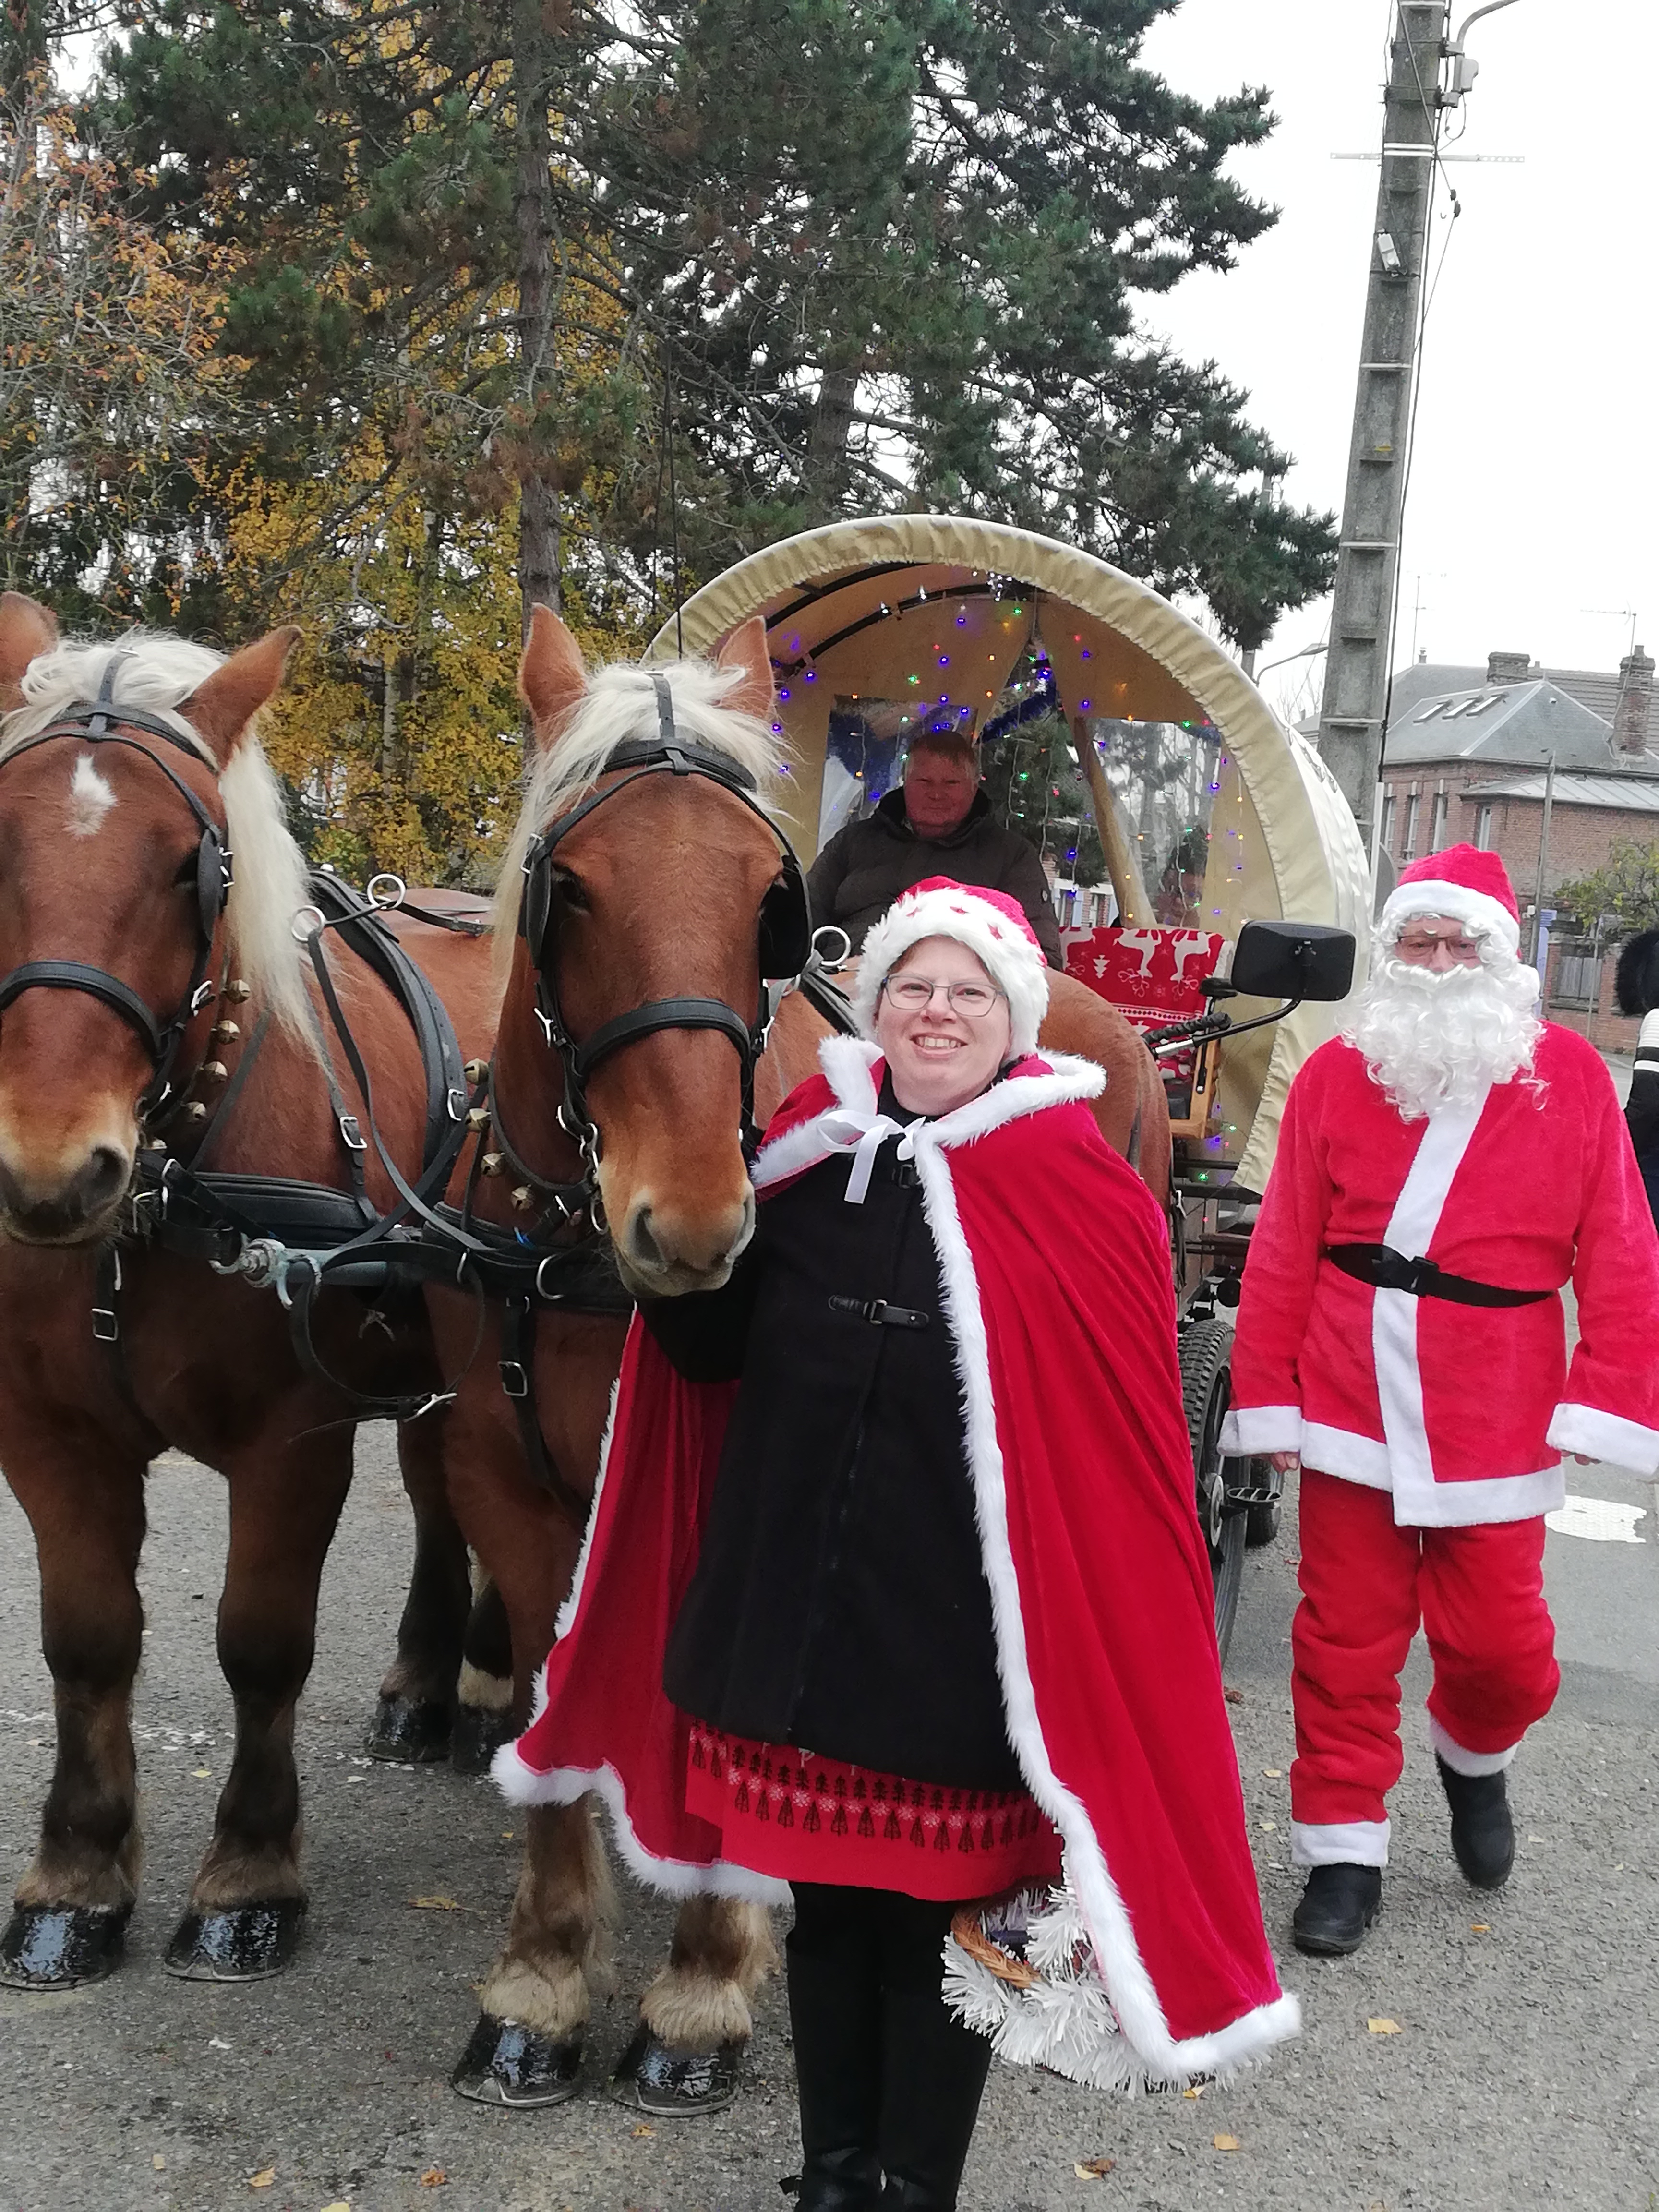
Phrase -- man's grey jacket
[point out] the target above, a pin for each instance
(865, 866)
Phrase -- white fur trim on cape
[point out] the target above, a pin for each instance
(1149, 2053)
(1010, 956)
(1458, 902)
(573, 1597)
(1339, 1843)
(1468, 1762)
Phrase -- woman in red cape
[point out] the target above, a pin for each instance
(895, 1594)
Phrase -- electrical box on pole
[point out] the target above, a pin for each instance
(1351, 720)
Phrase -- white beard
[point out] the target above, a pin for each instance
(1438, 1040)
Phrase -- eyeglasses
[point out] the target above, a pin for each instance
(1419, 947)
(913, 993)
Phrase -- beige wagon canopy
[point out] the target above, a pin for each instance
(881, 627)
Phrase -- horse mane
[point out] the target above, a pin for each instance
(270, 870)
(620, 705)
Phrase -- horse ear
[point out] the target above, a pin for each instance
(746, 649)
(552, 674)
(222, 708)
(26, 629)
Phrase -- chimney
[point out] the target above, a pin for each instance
(1508, 667)
(1630, 716)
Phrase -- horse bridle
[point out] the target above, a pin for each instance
(783, 934)
(91, 723)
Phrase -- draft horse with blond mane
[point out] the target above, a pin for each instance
(153, 1010)
(649, 909)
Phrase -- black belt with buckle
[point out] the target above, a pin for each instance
(1385, 1269)
(878, 1310)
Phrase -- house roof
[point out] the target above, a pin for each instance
(1624, 793)
(1518, 723)
(1419, 681)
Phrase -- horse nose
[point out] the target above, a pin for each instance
(674, 1251)
(59, 1207)
(643, 1248)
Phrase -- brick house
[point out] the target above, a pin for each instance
(1468, 760)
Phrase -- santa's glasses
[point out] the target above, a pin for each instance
(1421, 944)
(912, 993)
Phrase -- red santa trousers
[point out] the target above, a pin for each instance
(1479, 1593)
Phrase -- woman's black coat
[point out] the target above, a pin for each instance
(840, 1601)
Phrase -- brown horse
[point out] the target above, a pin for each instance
(124, 969)
(663, 894)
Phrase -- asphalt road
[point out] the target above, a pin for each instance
(1523, 2071)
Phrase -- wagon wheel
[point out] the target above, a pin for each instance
(1206, 1381)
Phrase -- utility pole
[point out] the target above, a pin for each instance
(1350, 719)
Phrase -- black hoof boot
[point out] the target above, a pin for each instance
(652, 2077)
(241, 1943)
(1482, 1830)
(478, 1733)
(53, 1946)
(508, 2063)
(414, 1731)
(1337, 1905)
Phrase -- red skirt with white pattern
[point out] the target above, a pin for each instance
(799, 1818)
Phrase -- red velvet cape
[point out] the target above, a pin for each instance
(1055, 1268)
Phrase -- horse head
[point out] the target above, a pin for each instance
(115, 866)
(642, 899)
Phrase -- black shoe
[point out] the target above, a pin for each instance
(835, 2011)
(1482, 1832)
(1337, 1905)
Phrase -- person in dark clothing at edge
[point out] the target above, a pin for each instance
(938, 822)
(950, 1608)
(1637, 982)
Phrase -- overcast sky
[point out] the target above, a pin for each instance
(1535, 496)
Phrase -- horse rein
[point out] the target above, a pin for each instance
(783, 948)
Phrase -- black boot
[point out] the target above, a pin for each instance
(834, 2013)
(1337, 1905)
(935, 2071)
(1482, 1832)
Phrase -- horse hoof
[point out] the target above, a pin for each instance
(478, 1733)
(506, 2063)
(414, 1731)
(53, 1946)
(243, 1943)
(653, 2077)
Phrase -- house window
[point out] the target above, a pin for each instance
(1409, 848)
(1387, 823)
(1437, 826)
(1483, 830)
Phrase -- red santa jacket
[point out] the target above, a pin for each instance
(1463, 1411)
(1054, 1264)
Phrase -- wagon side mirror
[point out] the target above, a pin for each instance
(1292, 960)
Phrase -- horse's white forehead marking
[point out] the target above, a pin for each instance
(90, 799)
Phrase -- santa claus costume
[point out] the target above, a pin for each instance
(895, 1596)
(1446, 1166)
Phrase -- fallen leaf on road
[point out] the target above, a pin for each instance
(643, 2130)
(1383, 2026)
(263, 2178)
(202, 1773)
(159, 2163)
(1225, 2142)
(339, 2205)
(1092, 2169)
(1234, 1697)
(1273, 1773)
(1479, 1928)
(1270, 1826)
(435, 1905)
(433, 2177)
(1195, 2090)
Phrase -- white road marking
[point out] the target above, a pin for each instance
(1599, 1519)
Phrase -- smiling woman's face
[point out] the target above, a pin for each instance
(939, 1055)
